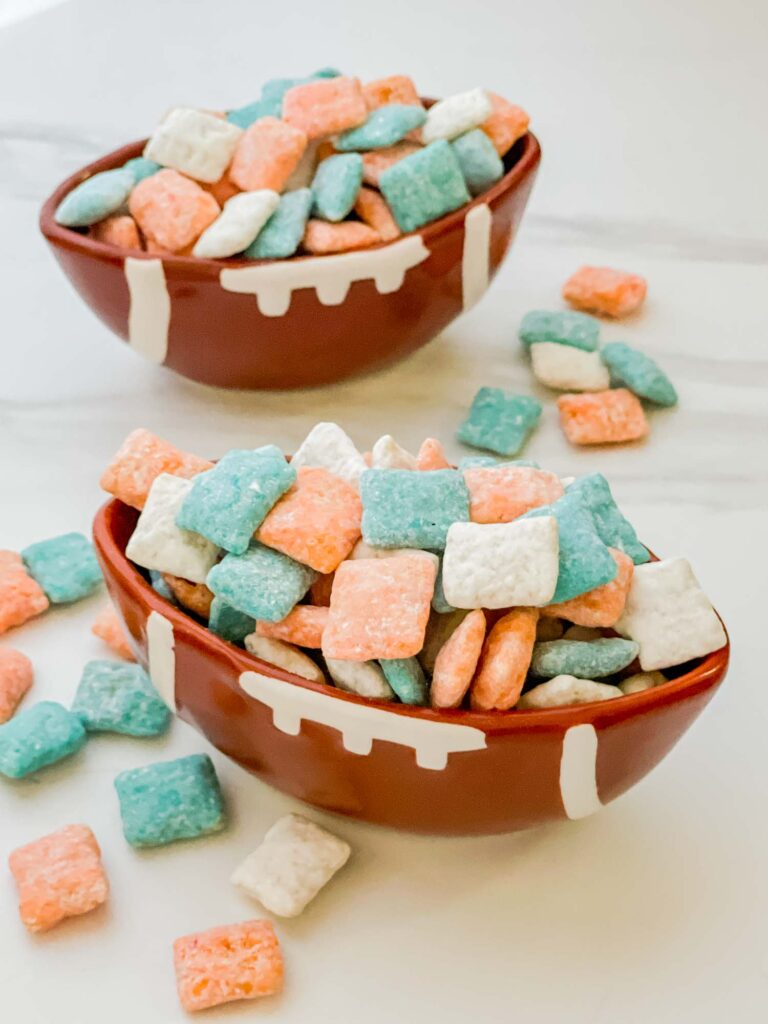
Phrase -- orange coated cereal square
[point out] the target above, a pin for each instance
(140, 459)
(109, 628)
(605, 417)
(372, 209)
(15, 680)
(499, 494)
(602, 606)
(118, 230)
(325, 106)
(393, 89)
(58, 876)
(322, 238)
(221, 965)
(378, 160)
(303, 625)
(171, 210)
(605, 291)
(506, 124)
(431, 455)
(380, 607)
(267, 154)
(21, 597)
(317, 522)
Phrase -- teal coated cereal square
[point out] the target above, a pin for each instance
(335, 186)
(383, 127)
(480, 164)
(563, 328)
(65, 567)
(262, 582)
(424, 186)
(585, 659)
(407, 509)
(95, 198)
(118, 696)
(500, 421)
(282, 234)
(141, 168)
(229, 623)
(406, 677)
(41, 735)
(612, 526)
(639, 373)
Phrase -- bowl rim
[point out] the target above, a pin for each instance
(71, 239)
(706, 674)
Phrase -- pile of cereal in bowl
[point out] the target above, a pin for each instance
(494, 585)
(316, 165)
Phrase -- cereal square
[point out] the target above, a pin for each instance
(607, 417)
(303, 626)
(109, 627)
(41, 735)
(229, 623)
(605, 291)
(335, 186)
(500, 421)
(406, 509)
(480, 164)
(267, 154)
(457, 114)
(424, 186)
(639, 373)
(328, 446)
(282, 234)
(378, 160)
(499, 494)
(562, 328)
(602, 606)
(263, 583)
(321, 238)
(504, 661)
(567, 368)
(383, 127)
(613, 528)
(115, 696)
(506, 124)
(194, 143)
(325, 106)
(406, 677)
(16, 676)
(141, 458)
(65, 567)
(21, 597)
(285, 656)
(393, 89)
(171, 211)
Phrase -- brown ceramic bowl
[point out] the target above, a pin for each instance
(300, 322)
(450, 772)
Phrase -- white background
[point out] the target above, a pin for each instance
(652, 120)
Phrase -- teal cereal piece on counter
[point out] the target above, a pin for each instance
(613, 528)
(95, 198)
(480, 164)
(117, 696)
(229, 623)
(65, 567)
(584, 559)
(564, 328)
(500, 421)
(244, 117)
(336, 184)
(439, 603)
(282, 234)
(489, 461)
(406, 509)
(170, 800)
(639, 373)
(262, 582)
(424, 186)
(383, 127)
(141, 168)
(160, 586)
(226, 504)
(585, 659)
(406, 677)
(41, 735)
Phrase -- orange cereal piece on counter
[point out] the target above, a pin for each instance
(602, 606)
(605, 417)
(267, 155)
(233, 961)
(317, 522)
(109, 628)
(393, 89)
(140, 459)
(222, 190)
(120, 230)
(431, 455)
(604, 291)
(456, 661)
(321, 237)
(325, 106)
(504, 661)
(499, 494)
(378, 160)
(171, 210)
(372, 209)
(506, 124)
(303, 625)
(58, 876)
(380, 607)
(21, 596)
(320, 591)
(16, 676)
(194, 597)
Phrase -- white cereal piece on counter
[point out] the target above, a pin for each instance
(388, 454)
(456, 114)
(501, 565)
(641, 681)
(238, 224)
(327, 446)
(563, 690)
(669, 615)
(194, 143)
(284, 655)
(566, 368)
(365, 678)
(583, 633)
(295, 860)
(158, 543)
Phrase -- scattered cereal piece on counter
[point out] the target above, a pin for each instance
(593, 659)
(602, 606)
(560, 328)
(263, 583)
(378, 160)
(238, 224)
(303, 626)
(457, 114)
(327, 446)
(335, 186)
(372, 209)
(393, 89)
(605, 417)
(193, 143)
(566, 368)
(267, 154)
(424, 186)
(500, 421)
(440, 627)
(109, 627)
(140, 459)
(641, 681)
(57, 876)
(506, 124)
(431, 456)
(158, 543)
(480, 164)
(192, 597)
(605, 291)
(94, 199)
(499, 493)
(564, 690)
(669, 615)
(365, 678)
(119, 229)
(231, 962)
(325, 106)
(385, 126)
(65, 567)
(285, 656)
(170, 800)
(406, 677)
(282, 234)
(639, 373)
(388, 454)
(295, 860)
(457, 660)
(142, 168)
(229, 623)
(21, 596)
(113, 696)
(549, 629)
(16, 675)
(171, 210)
(322, 238)
(504, 661)
(41, 735)
(501, 565)
(414, 510)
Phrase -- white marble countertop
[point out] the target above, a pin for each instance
(651, 120)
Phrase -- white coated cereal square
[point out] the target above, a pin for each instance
(194, 143)
(669, 615)
(158, 543)
(237, 225)
(561, 691)
(456, 114)
(565, 368)
(365, 678)
(284, 655)
(501, 565)
(388, 454)
(327, 446)
(295, 860)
